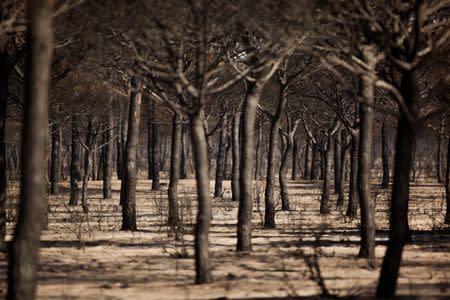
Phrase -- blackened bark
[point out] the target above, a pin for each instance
(341, 183)
(74, 162)
(183, 170)
(107, 155)
(294, 160)
(155, 156)
(337, 161)
(220, 162)
(399, 229)
(24, 250)
(174, 173)
(87, 165)
(200, 147)
(129, 181)
(439, 155)
(367, 206)
(54, 157)
(4, 81)
(353, 193)
(314, 174)
(385, 156)
(327, 159)
(247, 123)
(257, 153)
(287, 147)
(235, 158)
(447, 185)
(307, 166)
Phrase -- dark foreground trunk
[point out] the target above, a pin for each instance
(294, 160)
(307, 166)
(353, 193)
(87, 164)
(129, 181)
(325, 198)
(341, 183)
(174, 175)
(4, 81)
(200, 147)
(337, 143)
(54, 157)
(24, 251)
(220, 164)
(385, 156)
(154, 147)
(235, 159)
(282, 175)
(74, 163)
(439, 155)
(447, 185)
(107, 156)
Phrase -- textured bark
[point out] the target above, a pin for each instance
(154, 151)
(220, 162)
(107, 155)
(75, 174)
(447, 185)
(287, 148)
(4, 81)
(24, 250)
(366, 117)
(87, 165)
(174, 173)
(248, 116)
(327, 159)
(54, 157)
(294, 160)
(129, 181)
(307, 166)
(235, 158)
(385, 156)
(341, 183)
(399, 229)
(337, 161)
(200, 147)
(353, 193)
(439, 155)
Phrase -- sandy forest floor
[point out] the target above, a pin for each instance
(92, 259)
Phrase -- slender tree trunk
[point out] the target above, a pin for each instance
(129, 181)
(447, 185)
(87, 165)
(108, 156)
(155, 157)
(399, 229)
(248, 116)
(24, 250)
(220, 163)
(200, 147)
(257, 151)
(174, 175)
(74, 163)
(54, 157)
(337, 161)
(439, 154)
(314, 175)
(294, 160)
(385, 156)
(341, 183)
(235, 159)
(307, 166)
(353, 193)
(4, 82)
(367, 206)
(183, 170)
(282, 175)
(327, 159)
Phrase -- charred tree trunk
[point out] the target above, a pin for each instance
(54, 160)
(307, 166)
(235, 159)
(294, 160)
(24, 250)
(183, 170)
(353, 193)
(447, 186)
(4, 82)
(174, 175)
(399, 229)
(327, 158)
(439, 155)
(248, 116)
(87, 165)
(385, 156)
(200, 147)
(287, 147)
(75, 174)
(107, 156)
(129, 181)
(337, 143)
(220, 163)
(154, 151)
(367, 206)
